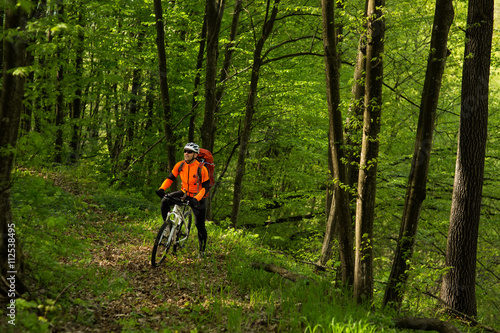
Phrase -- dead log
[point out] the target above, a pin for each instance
(294, 277)
(425, 324)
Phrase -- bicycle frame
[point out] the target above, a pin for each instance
(178, 219)
(174, 231)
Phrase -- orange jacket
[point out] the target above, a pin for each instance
(189, 176)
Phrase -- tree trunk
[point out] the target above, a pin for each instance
(77, 101)
(354, 122)
(197, 79)
(165, 98)
(417, 180)
(458, 287)
(339, 211)
(58, 158)
(367, 180)
(213, 15)
(220, 88)
(250, 110)
(11, 105)
(331, 231)
(133, 108)
(59, 118)
(214, 10)
(228, 55)
(425, 324)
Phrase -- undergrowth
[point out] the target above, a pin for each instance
(86, 251)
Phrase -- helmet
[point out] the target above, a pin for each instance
(192, 146)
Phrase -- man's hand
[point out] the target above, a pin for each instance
(194, 202)
(160, 192)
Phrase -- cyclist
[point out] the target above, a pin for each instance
(193, 190)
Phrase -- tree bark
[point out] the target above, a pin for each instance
(11, 105)
(250, 109)
(171, 141)
(272, 268)
(425, 324)
(354, 122)
(58, 158)
(458, 287)
(367, 180)
(219, 92)
(339, 211)
(417, 180)
(77, 101)
(214, 10)
(197, 79)
(228, 55)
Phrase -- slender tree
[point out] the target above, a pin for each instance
(339, 211)
(458, 287)
(60, 105)
(417, 180)
(11, 105)
(197, 80)
(228, 54)
(267, 28)
(77, 100)
(214, 10)
(367, 180)
(165, 98)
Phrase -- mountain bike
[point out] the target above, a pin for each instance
(174, 232)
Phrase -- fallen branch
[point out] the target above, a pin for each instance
(69, 286)
(425, 324)
(294, 277)
(465, 317)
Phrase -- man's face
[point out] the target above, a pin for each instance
(189, 155)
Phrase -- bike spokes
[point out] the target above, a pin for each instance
(162, 244)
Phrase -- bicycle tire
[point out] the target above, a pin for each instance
(183, 231)
(162, 244)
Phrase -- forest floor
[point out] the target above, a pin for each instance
(112, 287)
(88, 269)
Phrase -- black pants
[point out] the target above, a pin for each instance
(199, 216)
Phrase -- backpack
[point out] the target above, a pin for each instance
(206, 159)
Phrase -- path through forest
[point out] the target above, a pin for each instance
(184, 294)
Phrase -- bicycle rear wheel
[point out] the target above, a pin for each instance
(162, 244)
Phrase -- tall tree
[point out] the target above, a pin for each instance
(77, 100)
(458, 287)
(11, 105)
(60, 107)
(165, 98)
(228, 54)
(197, 79)
(214, 10)
(417, 180)
(367, 179)
(339, 211)
(267, 28)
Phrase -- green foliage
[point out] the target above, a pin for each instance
(82, 240)
(286, 169)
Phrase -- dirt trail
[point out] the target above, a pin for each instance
(171, 296)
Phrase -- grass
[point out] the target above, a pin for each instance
(87, 251)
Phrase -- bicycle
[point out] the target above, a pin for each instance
(174, 232)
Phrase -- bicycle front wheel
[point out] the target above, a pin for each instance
(162, 244)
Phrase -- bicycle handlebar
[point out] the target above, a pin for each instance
(178, 201)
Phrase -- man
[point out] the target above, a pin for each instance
(193, 190)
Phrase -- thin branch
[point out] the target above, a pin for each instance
(69, 286)
(292, 55)
(155, 144)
